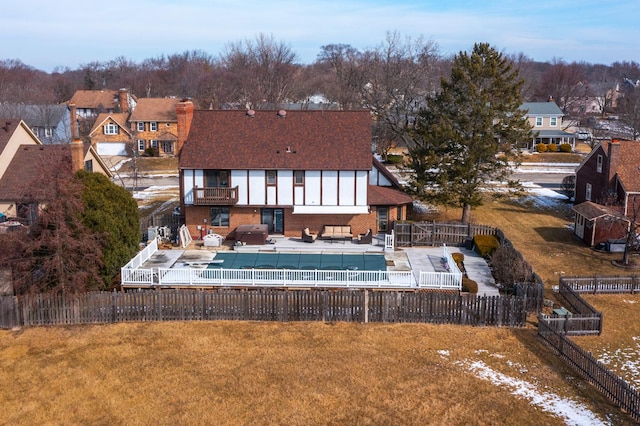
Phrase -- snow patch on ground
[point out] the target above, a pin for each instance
(573, 413)
(625, 362)
(542, 198)
(155, 191)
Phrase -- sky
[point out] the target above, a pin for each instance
(46, 34)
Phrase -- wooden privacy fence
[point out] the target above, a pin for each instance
(607, 382)
(598, 284)
(582, 320)
(409, 234)
(263, 305)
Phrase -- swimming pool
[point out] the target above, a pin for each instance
(306, 261)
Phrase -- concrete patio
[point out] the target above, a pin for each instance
(414, 259)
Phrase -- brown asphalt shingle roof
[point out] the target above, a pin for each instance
(106, 99)
(155, 109)
(628, 165)
(386, 196)
(590, 211)
(23, 181)
(7, 128)
(316, 140)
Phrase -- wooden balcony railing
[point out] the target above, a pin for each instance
(215, 196)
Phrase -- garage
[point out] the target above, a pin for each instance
(112, 148)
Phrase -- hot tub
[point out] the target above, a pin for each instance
(254, 235)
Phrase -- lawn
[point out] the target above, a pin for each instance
(287, 373)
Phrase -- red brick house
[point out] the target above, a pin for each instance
(289, 170)
(609, 180)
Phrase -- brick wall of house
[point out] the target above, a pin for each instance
(147, 135)
(294, 223)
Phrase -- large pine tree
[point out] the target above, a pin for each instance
(465, 136)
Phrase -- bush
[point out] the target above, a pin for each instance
(541, 147)
(395, 158)
(552, 147)
(485, 244)
(458, 257)
(469, 285)
(565, 147)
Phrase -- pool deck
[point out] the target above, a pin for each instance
(413, 259)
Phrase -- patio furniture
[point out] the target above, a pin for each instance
(307, 236)
(365, 238)
(336, 232)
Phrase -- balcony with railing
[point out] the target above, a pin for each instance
(215, 196)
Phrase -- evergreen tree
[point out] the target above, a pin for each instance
(111, 212)
(465, 136)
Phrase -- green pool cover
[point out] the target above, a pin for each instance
(358, 262)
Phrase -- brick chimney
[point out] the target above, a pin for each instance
(614, 160)
(73, 121)
(77, 155)
(184, 111)
(123, 98)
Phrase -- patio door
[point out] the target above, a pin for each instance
(274, 219)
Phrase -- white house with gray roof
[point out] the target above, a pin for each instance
(546, 122)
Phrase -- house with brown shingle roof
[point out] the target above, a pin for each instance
(609, 176)
(154, 124)
(288, 170)
(22, 161)
(110, 134)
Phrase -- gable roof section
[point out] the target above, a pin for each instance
(541, 108)
(300, 140)
(628, 171)
(22, 179)
(590, 211)
(106, 99)
(120, 118)
(155, 109)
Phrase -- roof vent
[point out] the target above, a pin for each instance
(282, 113)
(251, 113)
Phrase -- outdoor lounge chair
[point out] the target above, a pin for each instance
(307, 236)
(365, 238)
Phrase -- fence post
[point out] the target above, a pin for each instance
(366, 306)
(114, 310)
(595, 284)
(633, 284)
(159, 301)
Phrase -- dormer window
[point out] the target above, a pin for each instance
(153, 126)
(110, 129)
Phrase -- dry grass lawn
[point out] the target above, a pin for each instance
(271, 373)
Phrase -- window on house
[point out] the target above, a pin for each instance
(219, 216)
(216, 178)
(48, 132)
(271, 177)
(153, 143)
(153, 126)
(141, 145)
(88, 165)
(298, 177)
(538, 121)
(110, 129)
(140, 126)
(167, 147)
(587, 193)
(553, 121)
(599, 164)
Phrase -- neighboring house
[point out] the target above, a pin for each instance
(546, 123)
(289, 170)
(154, 124)
(608, 176)
(110, 134)
(21, 154)
(86, 105)
(50, 123)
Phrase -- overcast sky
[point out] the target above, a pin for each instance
(45, 34)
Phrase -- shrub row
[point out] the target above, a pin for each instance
(485, 244)
(552, 147)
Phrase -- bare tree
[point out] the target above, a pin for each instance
(347, 80)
